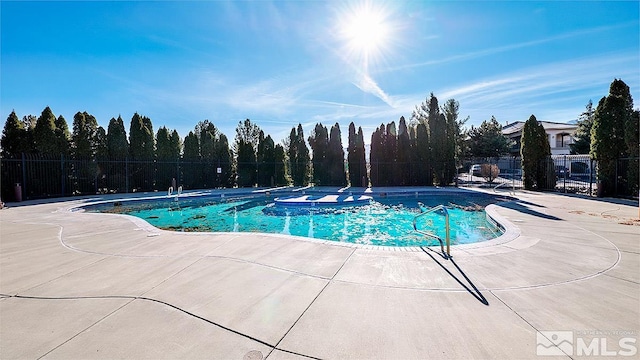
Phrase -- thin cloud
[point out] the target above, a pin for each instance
(368, 85)
(510, 47)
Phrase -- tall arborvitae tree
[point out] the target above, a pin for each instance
(335, 158)
(117, 144)
(14, 136)
(537, 166)
(351, 155)
(101, 148)
(456, 134)
(141, 151)
(247, 138)
(163, 144)
(141, 139)
(166, 169)
(303, 159)
(44, 134)
(191, 147)
(223, 157)
(608, 134)
(438, 140)
(424, 175)
(582, 137)
(192, 174)
(361, 159)
(631, 136)
(266, 158)
(319, 142)
(62, 135)
(281, 176)
(390, 153)
(83, 139)
(487, 140)
(376, 156)
(404, 154)
(175, 145)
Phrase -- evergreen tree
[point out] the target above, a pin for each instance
(353, 158)
(83, 139)
(582, 137)
(266, 157)
(44, 134)
(246, 160)
(537, 166)
(165, 165)
(191, 147)
(335, 158)
(302, 160)
(613, 114)
(13, 137)
(376, 156)
(404, 154)
(62, 135)
(487, 140)
(390, 154)
(455, 135)
(141, 151)
(631, 136)
(163, 144)
(424, 175)
(141, 142)
(224, 158)
(207, 135)
(247, 138)
(101, 148)
(281, 177)
(191, 164)
(176, 145)
(438, 140)
(319, 142)
(117, 145)
(361, 160)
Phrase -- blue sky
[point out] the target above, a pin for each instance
(279, 63)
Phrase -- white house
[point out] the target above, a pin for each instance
(560, 135)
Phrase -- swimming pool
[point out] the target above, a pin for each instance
(385, 221)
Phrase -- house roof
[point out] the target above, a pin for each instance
(517, 126)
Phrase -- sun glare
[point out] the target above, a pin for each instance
(365, 29)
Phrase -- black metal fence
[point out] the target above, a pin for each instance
(571, 173)
(31, 176)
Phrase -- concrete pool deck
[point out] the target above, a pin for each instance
(85, 285)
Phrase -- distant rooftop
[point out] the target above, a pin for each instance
(516, 126)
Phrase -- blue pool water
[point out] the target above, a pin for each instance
(384, 221)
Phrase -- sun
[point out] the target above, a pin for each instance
(365, 29)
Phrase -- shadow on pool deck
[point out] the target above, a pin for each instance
(475, 292)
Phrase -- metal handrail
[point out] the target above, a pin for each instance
(511, 192)
(432, 235)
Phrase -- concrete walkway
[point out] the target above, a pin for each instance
(82, 285)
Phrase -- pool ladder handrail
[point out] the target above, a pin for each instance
(447, 253)
(511, 191)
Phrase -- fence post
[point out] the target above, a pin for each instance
(564, 181)
(616, 182)
(126, 173)
(62, 173)
(24, 177)
(590, 177)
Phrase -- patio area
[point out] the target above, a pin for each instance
(77, 285)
